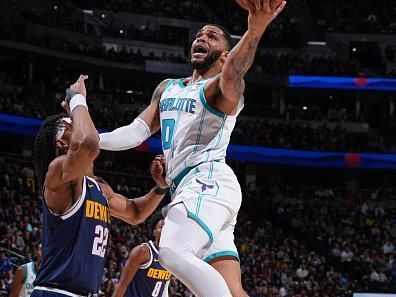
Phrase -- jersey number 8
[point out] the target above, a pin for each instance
(157, 289)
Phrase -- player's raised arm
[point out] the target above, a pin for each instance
(137, 257)
(240, 58)
(84, 141)
(76, 155)
(139, 130)
(136, 211)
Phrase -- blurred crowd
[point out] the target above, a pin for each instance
(284, 33)
(112, 108)
(305, 64)
(292, 240)
(348, 16)
(295, 135)
(185, 9)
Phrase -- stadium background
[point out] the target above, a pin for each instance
(313, 149)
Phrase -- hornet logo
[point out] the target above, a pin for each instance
(204, 186)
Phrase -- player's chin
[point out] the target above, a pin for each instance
(198, 63)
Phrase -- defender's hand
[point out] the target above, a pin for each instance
(261, 13)
(79, 86)
(157, 170)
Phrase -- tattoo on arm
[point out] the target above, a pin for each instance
(242, 60)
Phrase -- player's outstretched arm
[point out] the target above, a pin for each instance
(240, 58)
(137, 257)
(132, 135)
(84, 141)
(17, 282)
(136, 211)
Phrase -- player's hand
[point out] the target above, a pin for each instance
(77, 88)
(261, 13)
(79, 85)
(157, 170)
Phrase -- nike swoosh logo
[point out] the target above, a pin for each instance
(91, 186)
(156, 260)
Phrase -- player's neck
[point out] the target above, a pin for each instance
(204, 74)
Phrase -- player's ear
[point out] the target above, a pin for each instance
(224, 56)
(61, 145)
(58, 143)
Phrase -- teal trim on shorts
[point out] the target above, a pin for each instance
(176, 181)
(206, 104)
(210, 170)
(221, 254)
(198, 204)
(201, 223)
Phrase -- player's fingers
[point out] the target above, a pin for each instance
(280, 8)
(249, 5)
(258, 5)
(157, 159)
(83, 77)
(274, 4)
(266, 5)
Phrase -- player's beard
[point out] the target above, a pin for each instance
(207, 62)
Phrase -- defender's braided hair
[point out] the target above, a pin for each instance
(155, 218)
(44, 148)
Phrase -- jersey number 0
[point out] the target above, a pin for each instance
(167, 130)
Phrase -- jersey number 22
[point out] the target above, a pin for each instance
(100, 241)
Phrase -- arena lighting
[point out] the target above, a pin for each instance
(103, 16)
(354, 49)
(321, 43)
(55, 7)
(121, 31)
(129, 91)
(305, 107)
(88, 11)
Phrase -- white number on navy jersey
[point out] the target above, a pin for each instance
(157, 289)
(100, 241)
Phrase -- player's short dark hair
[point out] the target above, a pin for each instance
(44, 148)
(155, 218)
(227, 35)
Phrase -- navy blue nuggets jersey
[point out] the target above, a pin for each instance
(74, 244)
(151, 279)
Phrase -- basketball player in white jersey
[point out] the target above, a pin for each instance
(196, 116)
(22, 284)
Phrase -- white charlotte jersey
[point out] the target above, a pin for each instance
(192, 131)
(30, 276)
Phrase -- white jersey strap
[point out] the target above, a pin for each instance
(148, 263)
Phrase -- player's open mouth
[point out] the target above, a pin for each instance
(200, 51)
